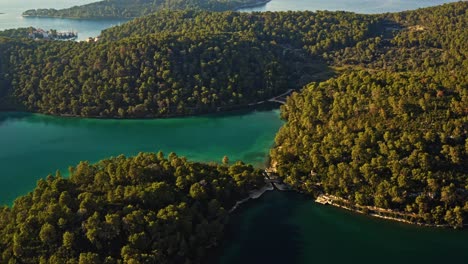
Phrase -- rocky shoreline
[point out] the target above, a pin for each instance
(327, 199)
(255, 194)
(332, 200)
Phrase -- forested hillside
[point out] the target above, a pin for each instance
(137, 8)
(389, 131)
(392, 130)
(143, 209)
(163, 65)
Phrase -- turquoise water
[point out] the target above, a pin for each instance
(32, 145)
(290, 228)
(358, 6)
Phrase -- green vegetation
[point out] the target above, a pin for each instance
(391, 131)
(137, 8)
(177, 63)
(16, 33)
(143, 209)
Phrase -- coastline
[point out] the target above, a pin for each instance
(251, 5)
(219, 110)
(387, 214)
(257, 4)
(272, 183)
(80, 18)
(247, 108)
(253, 195)
(327, 199)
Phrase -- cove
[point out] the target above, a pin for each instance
(288, 227)
(86, 27)
(33, 146)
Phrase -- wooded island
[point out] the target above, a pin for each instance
(138, 8)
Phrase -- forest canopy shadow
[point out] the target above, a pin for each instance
(262, 232)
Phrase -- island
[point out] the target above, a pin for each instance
(137, 8)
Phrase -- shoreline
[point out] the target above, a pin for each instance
(248, 108)
(257, 4)
(326, 199)
(372, 211)
(236, 9)
(219, 110)
(80, 18)
(253, 195)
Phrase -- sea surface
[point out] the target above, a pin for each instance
(358, 6)
(86, 28)
(33, 146)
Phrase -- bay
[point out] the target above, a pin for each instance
(287, 227)
(85, 27)
(358, 6)
(33, 145)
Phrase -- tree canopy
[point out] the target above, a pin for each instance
(177, 63)
(137, 8)
(142, 209)
(392, 130)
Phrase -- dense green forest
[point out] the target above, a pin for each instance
(163, 65)
(137, 8)
(142, 209)
(19, 33)
(391, 131)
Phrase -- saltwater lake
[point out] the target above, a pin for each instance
(32, 145)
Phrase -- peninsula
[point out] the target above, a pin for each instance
(138, 8)
(129, 210)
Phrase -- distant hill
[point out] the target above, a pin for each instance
(176, 63)
(137, 8)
